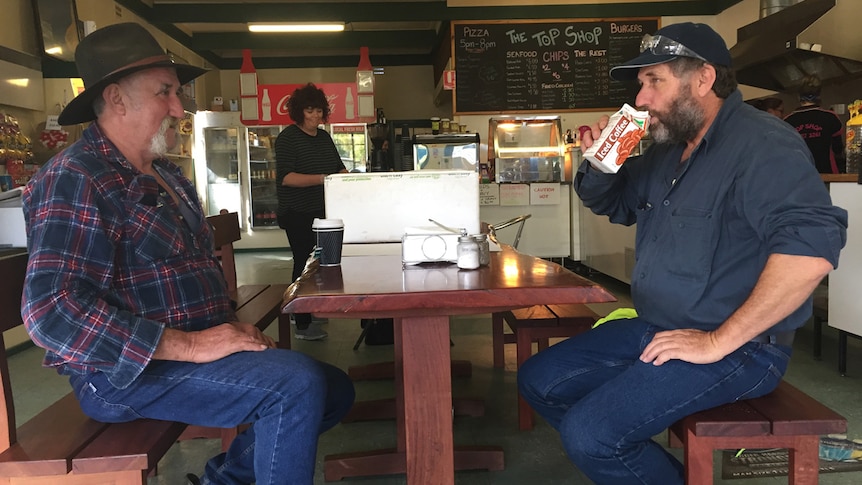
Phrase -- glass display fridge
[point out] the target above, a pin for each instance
(526, 149)
(263, 200)
(454, 151)
(235, 168)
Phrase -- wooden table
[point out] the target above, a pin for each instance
(421, 299)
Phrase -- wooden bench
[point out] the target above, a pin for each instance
(786, 418)
(538, 324)
(61, 445)
(256, 304)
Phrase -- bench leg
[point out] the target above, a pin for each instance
(804, 462)
(842, 352)
(524, 346)
(818, 338)
(698, 460)
(542, 344)
(284, 331)
(497, 345)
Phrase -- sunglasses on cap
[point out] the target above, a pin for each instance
(663, 46)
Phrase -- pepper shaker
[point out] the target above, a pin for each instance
(484, 249)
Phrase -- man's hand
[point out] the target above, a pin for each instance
(589, 136)
(211, 344)
(695, 346)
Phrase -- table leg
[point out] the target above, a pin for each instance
(423, 399)
(426, 393)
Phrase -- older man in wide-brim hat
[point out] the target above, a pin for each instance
(124, 292)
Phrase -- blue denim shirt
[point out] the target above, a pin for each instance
(706, 228)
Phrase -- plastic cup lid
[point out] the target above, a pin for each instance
(327, 223)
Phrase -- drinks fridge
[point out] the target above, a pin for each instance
(235, 168)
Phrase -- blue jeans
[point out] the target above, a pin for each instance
(607, 404)
(288, 397)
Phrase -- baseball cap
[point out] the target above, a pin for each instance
(685, 39)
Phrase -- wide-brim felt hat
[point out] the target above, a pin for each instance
(699, 38)
(111, 53)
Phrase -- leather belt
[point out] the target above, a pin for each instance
(783, 338)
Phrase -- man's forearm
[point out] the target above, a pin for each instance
(785, 283)
(174, 345)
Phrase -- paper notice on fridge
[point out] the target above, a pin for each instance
(514, 194)
(545, 194)
(489, 194)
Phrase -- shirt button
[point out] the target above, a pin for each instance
(666, 203)
(654, 238)
(642, 275)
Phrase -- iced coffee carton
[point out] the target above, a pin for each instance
(625, 129)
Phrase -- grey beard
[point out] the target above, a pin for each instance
(681, 124)
(159, 144)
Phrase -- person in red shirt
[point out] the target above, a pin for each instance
(821, 129)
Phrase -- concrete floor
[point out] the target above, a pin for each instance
(534, 456)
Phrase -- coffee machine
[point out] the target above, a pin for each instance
(380, 154)
(379, 135)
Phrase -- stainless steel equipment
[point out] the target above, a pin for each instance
(526, 149)
(453, 151)
(819, 37)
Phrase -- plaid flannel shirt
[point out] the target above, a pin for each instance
(113, 262)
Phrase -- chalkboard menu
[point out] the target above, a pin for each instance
(555, 65)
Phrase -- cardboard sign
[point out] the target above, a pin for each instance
(449, 80)
(489, 194)
(514, 194)
(545, 194)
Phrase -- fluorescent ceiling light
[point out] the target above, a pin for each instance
(297, 27)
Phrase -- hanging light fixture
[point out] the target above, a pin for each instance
(296, 27)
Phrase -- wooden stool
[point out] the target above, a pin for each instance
(537, 324)
(785, 418)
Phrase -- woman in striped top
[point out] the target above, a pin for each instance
(304, 155)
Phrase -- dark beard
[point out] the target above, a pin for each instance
(682, 122)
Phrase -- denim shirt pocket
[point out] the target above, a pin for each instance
(692, 242)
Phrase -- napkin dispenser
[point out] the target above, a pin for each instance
(429, 245)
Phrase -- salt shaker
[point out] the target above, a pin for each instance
(484, 249)
(468, 252)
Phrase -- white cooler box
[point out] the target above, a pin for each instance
(377, 207)
(12, 228)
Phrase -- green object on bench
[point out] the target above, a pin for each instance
(784, 418)
(618, 314)
(537, 324)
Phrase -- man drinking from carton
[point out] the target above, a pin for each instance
(734, 231)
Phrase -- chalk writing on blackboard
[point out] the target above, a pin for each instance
(544, 65)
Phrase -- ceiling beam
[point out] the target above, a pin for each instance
(328, 61)
(418, 11)
(166, 16)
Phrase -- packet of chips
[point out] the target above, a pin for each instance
(625, 129)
